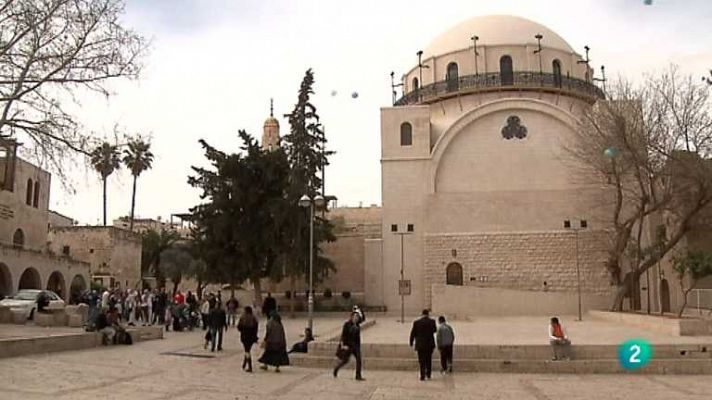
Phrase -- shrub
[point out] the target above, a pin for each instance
(346, 294)
(327, 293)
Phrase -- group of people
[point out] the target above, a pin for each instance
(425, 336)
(134, 307)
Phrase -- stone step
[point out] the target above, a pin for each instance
(519, 352)
(601, 366)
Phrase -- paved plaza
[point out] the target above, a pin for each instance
(178, 368)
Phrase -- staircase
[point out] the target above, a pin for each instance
(586, 359)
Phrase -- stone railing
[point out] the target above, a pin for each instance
(495, 81)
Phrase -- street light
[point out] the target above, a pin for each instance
(583, 224)
(538, 38)
(305, 202)
(402, 285)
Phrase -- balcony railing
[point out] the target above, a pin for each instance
(495, 81)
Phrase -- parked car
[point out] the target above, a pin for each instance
(26, 300)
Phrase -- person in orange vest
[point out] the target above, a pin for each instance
(560, 343)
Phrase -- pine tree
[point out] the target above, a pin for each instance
(304, 146)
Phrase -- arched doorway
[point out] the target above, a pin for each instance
(5, 281)
(30, 279)
(506, 71)
(665, 295)
(453, 274)
(76, 289)
(452, 77)
(56, 284)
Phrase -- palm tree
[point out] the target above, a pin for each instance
(105, 159)
(137, 158)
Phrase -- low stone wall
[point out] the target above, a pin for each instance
(465, 301)
(669, 325)
(14, 347)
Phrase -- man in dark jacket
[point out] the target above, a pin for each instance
(351, 342)
(422, 334)
(269, 305)
(218, 323)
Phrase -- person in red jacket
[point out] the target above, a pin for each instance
(179, 298)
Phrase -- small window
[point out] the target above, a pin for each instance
(556, 69)
(394, 228)
(452, 77)
(453, 274)
(506, 71)
(65, 250)
(406, 134)
(18, 239)
(28, 197)
(36, 199)
(415, 84)
(411, 228)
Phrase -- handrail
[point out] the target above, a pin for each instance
(495, 80)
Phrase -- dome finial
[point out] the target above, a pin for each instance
(271, 107)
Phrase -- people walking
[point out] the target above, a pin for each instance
(275, 344)
(232, 307)
(560, 343)
(218, 324)
(248, 326)
(269, 305)
(445, 340)
(350, 344)
(204, 312)
(422, 336)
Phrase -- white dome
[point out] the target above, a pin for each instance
(494, 30)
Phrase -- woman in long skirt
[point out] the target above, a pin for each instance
(248, 326)
(275, 344)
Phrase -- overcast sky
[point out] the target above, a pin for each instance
(215, 64)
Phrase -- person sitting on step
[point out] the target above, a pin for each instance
(560, 343)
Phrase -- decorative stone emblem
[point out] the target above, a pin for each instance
(514, 129)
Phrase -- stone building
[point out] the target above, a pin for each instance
(113, 254)
(476, 185)
(26, 262)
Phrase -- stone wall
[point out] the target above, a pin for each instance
(108, 250)
(521, 261)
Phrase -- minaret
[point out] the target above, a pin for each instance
(270, 131)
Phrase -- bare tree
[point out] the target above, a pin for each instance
(649, 147)
(51, 52)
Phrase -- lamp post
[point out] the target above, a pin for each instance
(474, 39)
(582, 224)
(305, 202)
(420, 73)
(394, 86)
(402, 283)
(586, 61)
(538, 38)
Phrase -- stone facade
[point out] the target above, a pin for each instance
(474, 162)
(114, 254)
(531, 261)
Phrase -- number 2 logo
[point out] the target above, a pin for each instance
(634, 354)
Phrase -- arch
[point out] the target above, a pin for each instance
(36, 198)
(506, 71)
(406, 134)
(452, 77)
(56, 284)
(77, 288)
(453, 274)
(5, 281)
(18, 238)
(556, 70)
(665, 295)
(30, 279)
(28, 195)
(415, 84)
(503, 104)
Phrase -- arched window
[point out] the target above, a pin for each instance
(28, 197)
(556, 68)
(506, 71)
(406, 134)
(18, 238)
(415, 84)
(452, 77)
(36, 199)
(453, 274)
